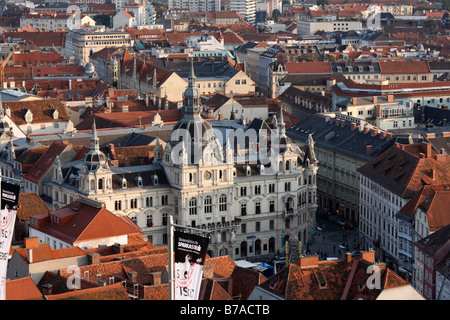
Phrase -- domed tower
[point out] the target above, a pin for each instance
(192, 129)
(95, 175)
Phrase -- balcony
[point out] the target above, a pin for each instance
(222, 226)
(289, 212)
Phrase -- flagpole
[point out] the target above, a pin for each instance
(171, 244)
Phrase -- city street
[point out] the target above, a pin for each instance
(332, 240)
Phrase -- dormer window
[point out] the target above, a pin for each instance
(155, 180)
(123, 183)
(28, 116)
(55, 114)
(139, 181)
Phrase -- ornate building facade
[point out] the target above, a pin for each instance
(251, 205)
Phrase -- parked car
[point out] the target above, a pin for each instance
(348, 226)
(340, 222)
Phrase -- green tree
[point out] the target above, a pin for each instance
(276, 14)
(322, 2)
(102, 19)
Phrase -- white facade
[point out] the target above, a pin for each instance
(195, 5)
(250, 209)
(310, 27)
(80, 42)
(246, 8)
(377, 217)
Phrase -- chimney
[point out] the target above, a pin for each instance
(353, 125)
(30, 255)
(433, 173)
(132, 276)
(47, 289)
(309, 262)
(366, 129)
(375, 99)
(430, 135)
(31, 242)
(374, 131)
(444, 121)
(349, 258)
(156, 278)
(378, 111)
(445, 134)
(390, 98)
(93, 258)
(332, 120)
(429, 149)
(117, 248)
(369, 256)
(369, 149)
(383, 134)
(388, 135)
(354, 101)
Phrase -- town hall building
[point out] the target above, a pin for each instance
(253, 189)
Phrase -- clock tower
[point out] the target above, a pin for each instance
(197, 163)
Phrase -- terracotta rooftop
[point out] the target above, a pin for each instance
(30, 204)
(110, 292)
(42, 110)
(393, 67)
(78, 222)
(22, 289)
(344, 279)
(433, 200)
(315, 67)
(405, 169)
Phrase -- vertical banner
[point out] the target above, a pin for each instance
(8, 210)
(190, 253)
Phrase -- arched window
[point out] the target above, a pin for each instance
(100, 184)
(193, 206)
(223, 203)
(208, 204)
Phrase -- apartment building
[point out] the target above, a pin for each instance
(246, 8)
(195, 5)
(388, 183)
(80, 43)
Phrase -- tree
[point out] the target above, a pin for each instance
(102, 19)
(322, 2)
(276, 14)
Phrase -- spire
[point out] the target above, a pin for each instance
(192, 78)
(281, 124)
(94, 138)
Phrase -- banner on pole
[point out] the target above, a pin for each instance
(8, 211)
(190, 253)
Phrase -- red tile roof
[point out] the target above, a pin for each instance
(79, 222)
(37, 58)
(40, 168)
(44, 252)
(433, 200)
(315, 67)
(405, 169)
(393, 67)
(42, 110)
(110, 292)
(22, 289)
(30, 204)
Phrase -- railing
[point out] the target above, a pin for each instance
(221, 225)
